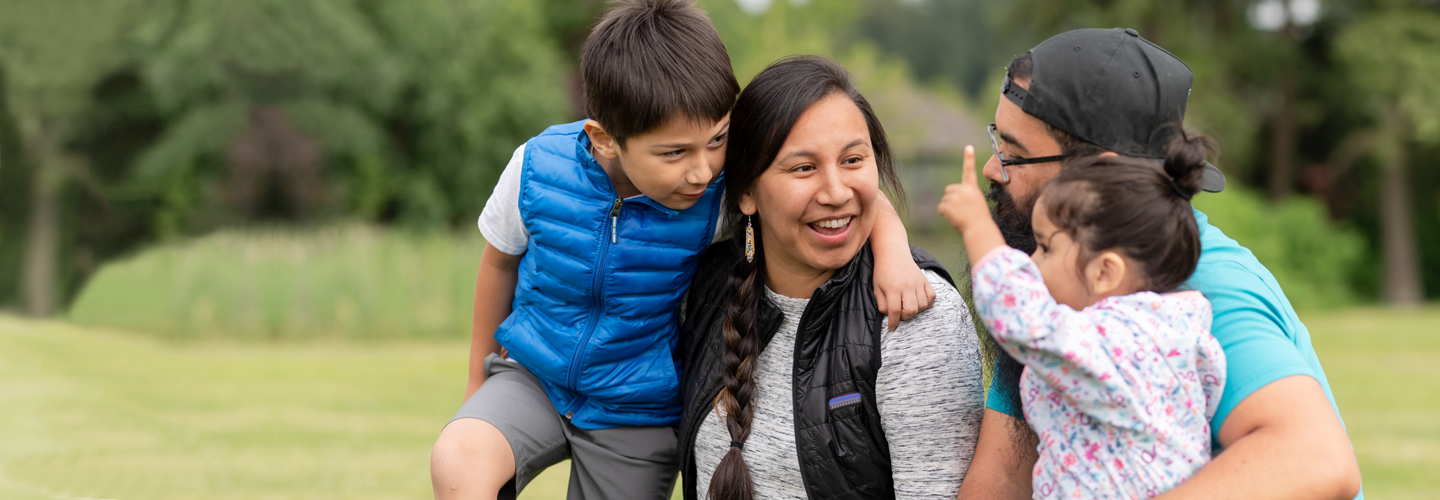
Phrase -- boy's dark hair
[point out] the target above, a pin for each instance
(1129, 205)
(648, 61)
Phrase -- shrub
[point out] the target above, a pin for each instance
(343, 282)
(1313, 258)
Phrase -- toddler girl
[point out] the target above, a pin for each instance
(1121, 374)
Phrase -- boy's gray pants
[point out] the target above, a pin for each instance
(622, 462)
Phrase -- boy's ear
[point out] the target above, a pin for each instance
(1106, 273)
(601, 141)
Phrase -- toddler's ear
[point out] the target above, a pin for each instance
(1108, 274)
(601, 141)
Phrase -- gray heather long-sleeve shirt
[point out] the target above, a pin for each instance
(929, 391)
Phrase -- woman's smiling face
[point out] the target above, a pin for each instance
(817, 199)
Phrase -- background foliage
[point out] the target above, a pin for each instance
(257, 183)
(152, 122)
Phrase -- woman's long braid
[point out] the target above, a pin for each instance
(732, 479)
(761, 120)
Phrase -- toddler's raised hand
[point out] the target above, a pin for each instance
(964, 207)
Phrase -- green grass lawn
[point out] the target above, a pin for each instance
(91, 413)
(1384, 368)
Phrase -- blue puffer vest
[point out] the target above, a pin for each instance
(596, 307)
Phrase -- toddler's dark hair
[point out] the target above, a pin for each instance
(649, 61)
(1133, 206)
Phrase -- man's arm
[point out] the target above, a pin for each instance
(1282, 441)
(1004, 459)
(494, 291)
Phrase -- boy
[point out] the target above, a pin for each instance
(593, 234)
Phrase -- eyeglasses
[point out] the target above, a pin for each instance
(1006, 162)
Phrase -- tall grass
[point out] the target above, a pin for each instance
(342, 282)
(355, 281)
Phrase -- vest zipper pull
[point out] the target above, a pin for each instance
(615, 221)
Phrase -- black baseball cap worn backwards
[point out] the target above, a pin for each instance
(1113, 89)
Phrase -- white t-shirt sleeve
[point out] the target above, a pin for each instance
(500, 222)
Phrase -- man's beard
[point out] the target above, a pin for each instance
(1013, 218)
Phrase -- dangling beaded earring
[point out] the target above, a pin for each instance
(749, 241)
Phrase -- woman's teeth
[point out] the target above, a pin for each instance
(833, 223)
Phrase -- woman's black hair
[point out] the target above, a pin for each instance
(1129, 205)
(761, 121)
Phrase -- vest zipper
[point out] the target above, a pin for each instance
(597, 291)
(615, 221)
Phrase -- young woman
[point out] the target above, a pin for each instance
(793, 387)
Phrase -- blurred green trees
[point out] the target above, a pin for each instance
(53, 52)
(260, 94)
(482, 78)
(411, 104)
(1394, 57)
(1331, 99)
(128, 122)
(199, 114)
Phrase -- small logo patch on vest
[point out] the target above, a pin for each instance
(839, 402)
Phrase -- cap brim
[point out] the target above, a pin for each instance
(1212, 181)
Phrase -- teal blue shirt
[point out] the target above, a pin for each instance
(1263, 339)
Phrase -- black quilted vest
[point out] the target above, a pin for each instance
(842, 448)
